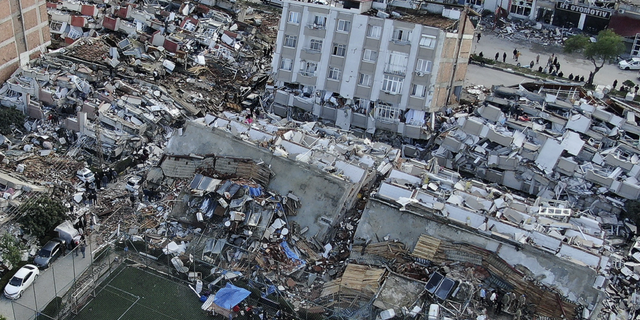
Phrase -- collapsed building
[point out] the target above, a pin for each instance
(336, 223)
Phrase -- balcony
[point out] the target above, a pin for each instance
(315, 26)
(307, 73)
(395, 70)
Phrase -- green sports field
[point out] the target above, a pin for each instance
(135, 294)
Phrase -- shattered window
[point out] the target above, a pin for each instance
(339, 50)
(344, 25)
(401, 35)
(387, 112)
(522, 7)
(308, 68)
(374, 31)
(315, 45)
(370, 55)
(392, 84)
(364, 80)
(286, 64)
(418, 90)
(294, 17)
(427, 41)
(334, 73)
(424, 66)
(319, 22)
(290, 41)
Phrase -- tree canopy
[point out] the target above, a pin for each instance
(8, 117)
(608, 46)
(41, 215)
(10, 249)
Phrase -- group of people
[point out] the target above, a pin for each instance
(624, 88)
(497, 301)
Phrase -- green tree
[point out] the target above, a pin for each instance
(607, 46)
(8, 117)
(41, 215)
(11, 249)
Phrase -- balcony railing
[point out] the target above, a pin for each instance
(395, 70)
(316, 26)
(307, 73)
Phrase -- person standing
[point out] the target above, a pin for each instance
(518, 53)
(497, 55)
(537, 59)
(479, 36)
(615, 84)
(504, 57)
(515, 52)
(82, 248)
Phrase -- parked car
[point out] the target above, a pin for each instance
(133, 184)
(631, 64)
(21, 281)
(49, 253)
(85, 175)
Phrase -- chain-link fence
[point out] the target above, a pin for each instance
(66, 285)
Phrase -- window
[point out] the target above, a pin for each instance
(521, 7)
(474, 2)
(286, 64)
(418, 90)
(387, 112)
(401, 35)
(294, 17)
(427, 41)
(334, 73)
(319, 22)
(370, 55)
(308, 68)
(344, 25)
(315, 45)
(364, 80)
(397, 63)
(392, 84)
(374, 31)
(290, 41)
(424, 66)
(339, 50)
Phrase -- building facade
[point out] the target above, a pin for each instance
(24, 33)
(359, 67)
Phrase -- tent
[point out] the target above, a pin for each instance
(225, 299)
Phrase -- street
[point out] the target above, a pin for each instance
(574, 64)
(57, 279)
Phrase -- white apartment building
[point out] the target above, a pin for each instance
(357, 66)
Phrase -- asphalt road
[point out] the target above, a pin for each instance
(51, 282)
(574, 64)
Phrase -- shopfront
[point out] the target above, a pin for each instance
(588, 18)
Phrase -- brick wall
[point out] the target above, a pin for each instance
(23, 28)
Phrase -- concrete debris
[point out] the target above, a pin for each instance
(156, 125)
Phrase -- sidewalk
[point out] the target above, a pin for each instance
(569, 63)
(52, 282)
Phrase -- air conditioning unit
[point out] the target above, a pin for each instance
(419, 73)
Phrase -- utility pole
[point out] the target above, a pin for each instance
(98, 141)
(461, 34)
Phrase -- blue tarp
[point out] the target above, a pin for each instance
(292, 255)
(255, 192)
(230, 296)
